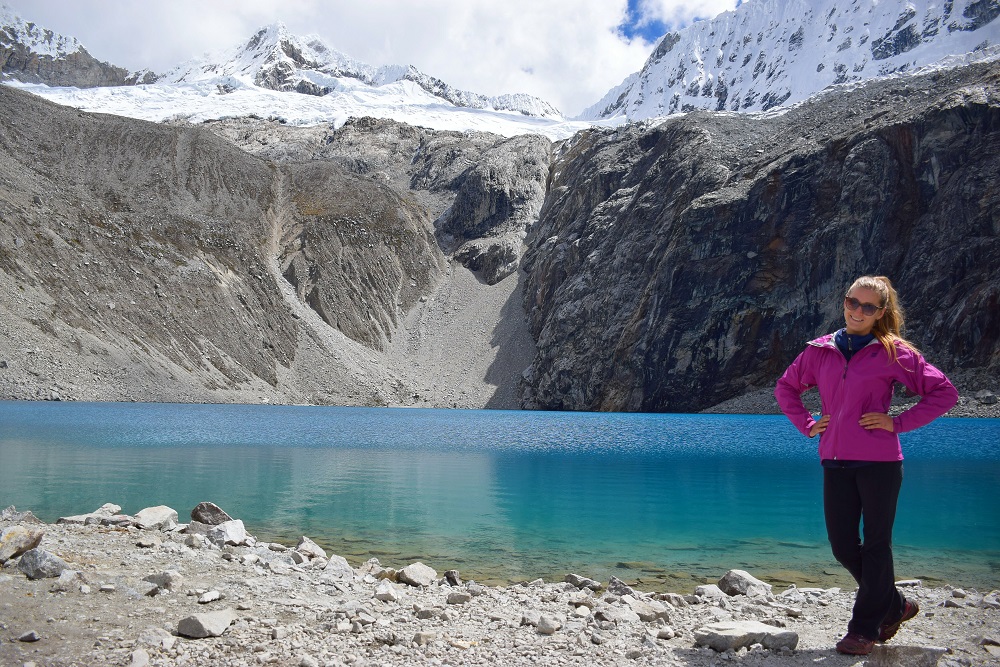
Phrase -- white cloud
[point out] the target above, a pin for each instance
(679, 13)
(567, 52)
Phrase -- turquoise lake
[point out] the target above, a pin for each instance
(664, 500)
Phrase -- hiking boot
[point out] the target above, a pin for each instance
(855, 644)
(888, 631)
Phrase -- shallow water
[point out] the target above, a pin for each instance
(667, 500)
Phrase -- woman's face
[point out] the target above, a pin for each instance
(862, 299)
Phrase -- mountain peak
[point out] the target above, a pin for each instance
(771, 53)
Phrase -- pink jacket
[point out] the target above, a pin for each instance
(865, 384)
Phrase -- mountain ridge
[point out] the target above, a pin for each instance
(273, 59)
(767, 54)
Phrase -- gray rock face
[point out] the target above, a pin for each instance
(677, 266)
(498, 198)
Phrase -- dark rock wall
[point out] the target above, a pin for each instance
(678, 266)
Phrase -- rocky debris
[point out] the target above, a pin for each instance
(15, 540)
(103, 513)
(583, 582)
(278, 612)
(209, 514)
(905, 656)
(11, 514)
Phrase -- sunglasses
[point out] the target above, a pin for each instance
(868, 309)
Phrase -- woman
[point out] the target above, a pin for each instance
(855, 370)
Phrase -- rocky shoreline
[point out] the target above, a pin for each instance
(105, 588)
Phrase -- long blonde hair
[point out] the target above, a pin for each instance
(888, 328)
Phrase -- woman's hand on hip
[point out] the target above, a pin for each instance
(874, 420)
(820, 425)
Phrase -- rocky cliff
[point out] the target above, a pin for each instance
(240, 261)
(662, 266)
(677, 265)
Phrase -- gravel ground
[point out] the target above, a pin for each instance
(289, 605)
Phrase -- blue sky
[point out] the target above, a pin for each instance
(568, 52)
(648, 20)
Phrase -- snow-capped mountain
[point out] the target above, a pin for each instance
(29, 52)
(278, 60)
(770, 53)
(276, 75)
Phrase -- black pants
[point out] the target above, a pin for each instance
(867, 493)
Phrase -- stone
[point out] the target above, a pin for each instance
(618, 587)
(710, 591)
(196, 541)
(209, 514)
(372, 567)
(386, 591)
(647, 610)
(583, 582)
(11, 514)
(168, 579)
(733, 635)
(418, 574)
(68, 580)
(531, 617)
(740, 582)
(424, 613)
(309, 548)
(424, 637)
(459, 597)
(16, 540)
(148, 542)
(453, 578)
(616, 615)
(158, 637)
(230, 532)
(986, 397)
(139, 658)
(905, 656)
(30, 636)
(548, 625)
(197, 528)
(210, 624)
(106, 510)
(40, 564)
(339, 568)
(210, 596)
(160, 517)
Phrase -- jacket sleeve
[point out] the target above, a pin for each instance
(937, 393)
(796, 379)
